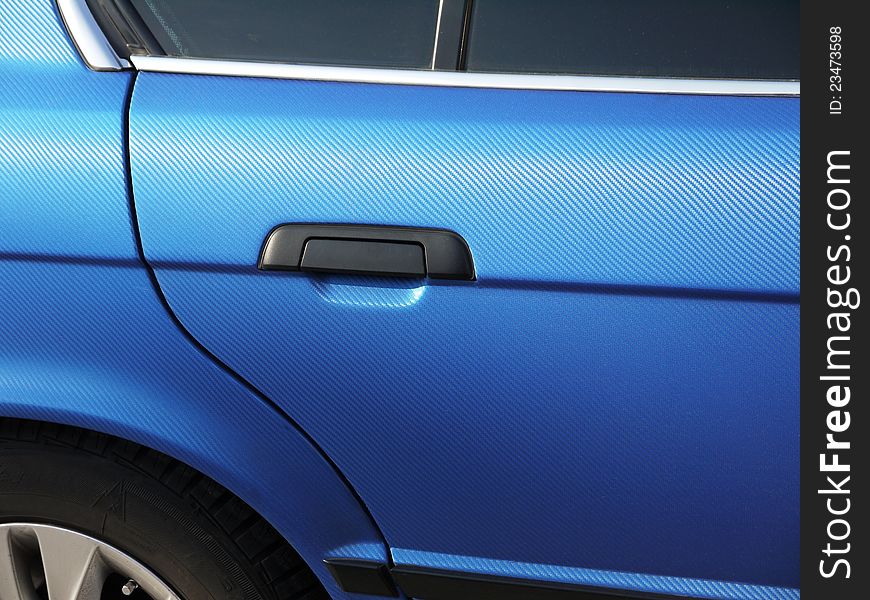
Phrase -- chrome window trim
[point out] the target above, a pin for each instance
(437, 33)
(99, 55)
(88, 38)
(232, 68)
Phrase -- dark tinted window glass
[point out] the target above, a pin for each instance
(741, 39)
(387, 33)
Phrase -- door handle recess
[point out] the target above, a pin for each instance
(367, 250)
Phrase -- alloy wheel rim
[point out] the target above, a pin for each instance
(44, 562)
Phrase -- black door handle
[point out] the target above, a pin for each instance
(367, 250)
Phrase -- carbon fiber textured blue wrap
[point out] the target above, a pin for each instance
(644, 434)
(61, 143)
(84, 338)
(618, 390)
(630, 189)
(90, 345)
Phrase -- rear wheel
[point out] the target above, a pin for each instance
(46, 562)
(88, 514)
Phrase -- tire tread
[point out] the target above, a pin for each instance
(277, 565)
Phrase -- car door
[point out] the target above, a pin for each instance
(607, 394)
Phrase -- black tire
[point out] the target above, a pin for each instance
(194, 534)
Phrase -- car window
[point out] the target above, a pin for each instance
(739, 39)
(381, 33)
(710, 39)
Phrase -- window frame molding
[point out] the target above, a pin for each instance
(575, 83)
(98, 55)
(90, 41)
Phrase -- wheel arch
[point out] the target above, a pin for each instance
(297, 492)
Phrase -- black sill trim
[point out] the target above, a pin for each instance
(362, 576)
(436, 584)
(369, 577)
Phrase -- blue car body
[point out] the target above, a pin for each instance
(612, 402)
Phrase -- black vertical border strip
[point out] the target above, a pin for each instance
(466, 34)
(451, 32)
(821, 134)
